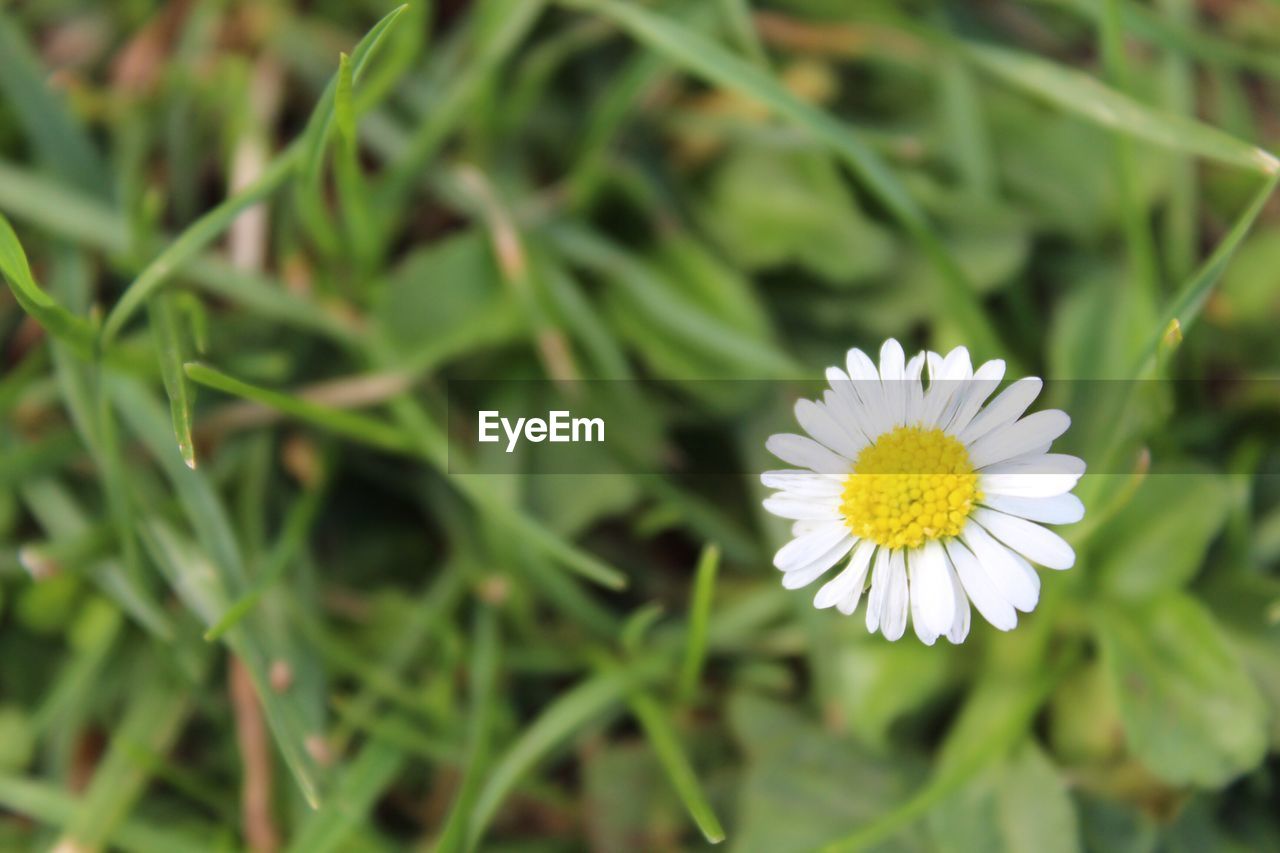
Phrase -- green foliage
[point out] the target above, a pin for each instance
(319, 215)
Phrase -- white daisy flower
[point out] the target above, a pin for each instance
(934, 496)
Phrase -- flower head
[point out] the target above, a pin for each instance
(933, 493)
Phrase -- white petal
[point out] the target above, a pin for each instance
(1059, 509)
(960, 625)
(864, 381)
(1019, 438)
(851, 404)
(844, 414)
(1001, 566)
(948, 378)
(1006, 408)
(1036, 543)
(893, 378)
(849, 583)
(1029, 574)
(798, 508)
(1033, 477)
(931, 587)
(808, 525)
(803, 550)
(980, 589)
(915, 390)
(804, 483)
(804, 452)
(976, 391)
(819, 566)
(879, 586)
(893, 618)
(918, 624)
(817, 420)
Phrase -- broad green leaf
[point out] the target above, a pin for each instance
(1249, 293)
(996, 716)
(445, 300)
(632, 807)
(879, 684)
(1021, 804)
(1158, 541)
(769, 207)
(1190, 711)
(1080, 93)
(804, 785)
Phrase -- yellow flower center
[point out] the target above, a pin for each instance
(908, 486)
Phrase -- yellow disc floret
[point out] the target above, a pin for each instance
(909, 486)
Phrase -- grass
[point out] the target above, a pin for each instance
(255, 592)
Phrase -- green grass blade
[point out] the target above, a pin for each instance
(671, 755)
(483, 685)
(591, 701)
(704, 587)
(362, 781)
(43, 308)
(1187, 303)
(62, 211)
(171, 352)
(56, 510)
(712, 62)
(319, 129)
(357, 427)
(156, 716)
(195, 238)
(297, 525)
(50, 804)
(56, 136)
(1077, 92)
(500, 26)
(197, 582)
(199, 500)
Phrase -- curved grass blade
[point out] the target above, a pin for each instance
(1187, 303)
(704, 587)
(306, 150)
(1077, 92)
(191, 241)
(590, 701)
(315, 137)
(357, 427)
(666, 744)
(363, 780)
(43, 308)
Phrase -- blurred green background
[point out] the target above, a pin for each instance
(258, 238)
